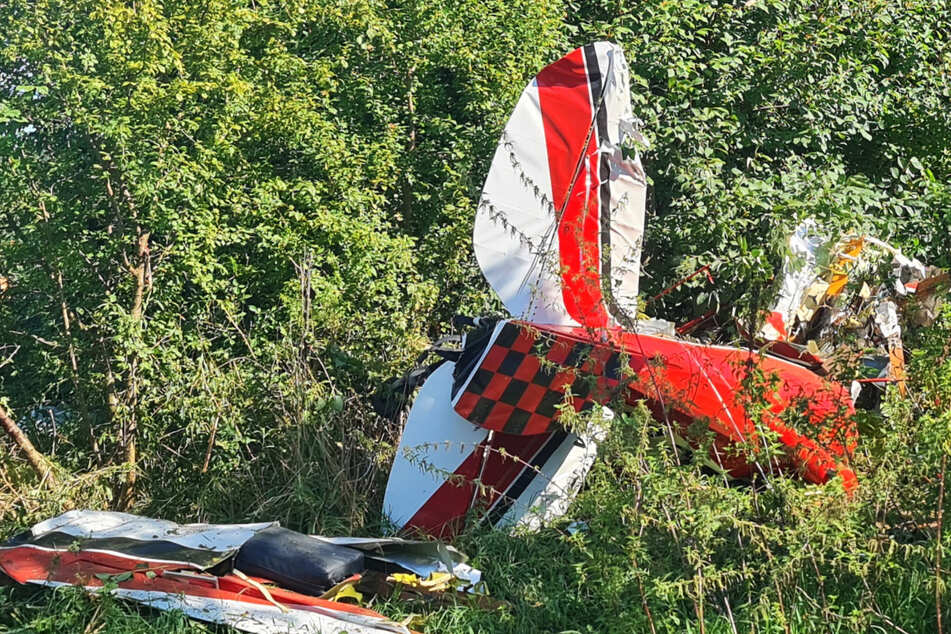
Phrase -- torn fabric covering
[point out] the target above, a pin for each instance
(560, 223)
(816, 274)
(798, 272)
(906, 272)
(199, 546)
(849, 292)
(886, 318)
(226, 600)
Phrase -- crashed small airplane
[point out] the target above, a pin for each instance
(558, 236)
(492, 431)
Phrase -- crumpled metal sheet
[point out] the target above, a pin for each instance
(197, 546)
(422, 558)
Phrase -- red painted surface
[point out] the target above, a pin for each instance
(684, 382)
(25, 564)
(564, 95)
(507, 455)
(775, 320)
(702, 382)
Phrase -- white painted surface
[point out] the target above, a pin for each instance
(435, 442)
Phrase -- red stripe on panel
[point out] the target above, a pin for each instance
(91, 569)
(573, 161)
(442, 513)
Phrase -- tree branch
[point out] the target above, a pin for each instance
(42, 466)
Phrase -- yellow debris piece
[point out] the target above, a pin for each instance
(840, 276)
(343, 590)
(436, 582)
(348, 592)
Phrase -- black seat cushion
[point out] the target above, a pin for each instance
(297, 562)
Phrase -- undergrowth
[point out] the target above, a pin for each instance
(665, 547)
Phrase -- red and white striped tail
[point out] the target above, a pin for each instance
(559, 228)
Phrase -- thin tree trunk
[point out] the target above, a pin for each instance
(74, 367)
(140, 271)
(131, 423)
(939, 580)
(38, 461)
(57, 274)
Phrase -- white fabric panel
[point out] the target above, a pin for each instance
(886, 318)
(435, 442)
(629, 190)
(628, 183)
(106, 524)
(800, 269)
(514, 236)
(253, 617)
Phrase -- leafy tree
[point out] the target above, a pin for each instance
(763, 113)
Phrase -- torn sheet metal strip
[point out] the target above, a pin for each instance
(224, 599)
(197, 546)
(254, 618)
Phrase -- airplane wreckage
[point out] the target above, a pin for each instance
(558, 235)
(257, 578)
